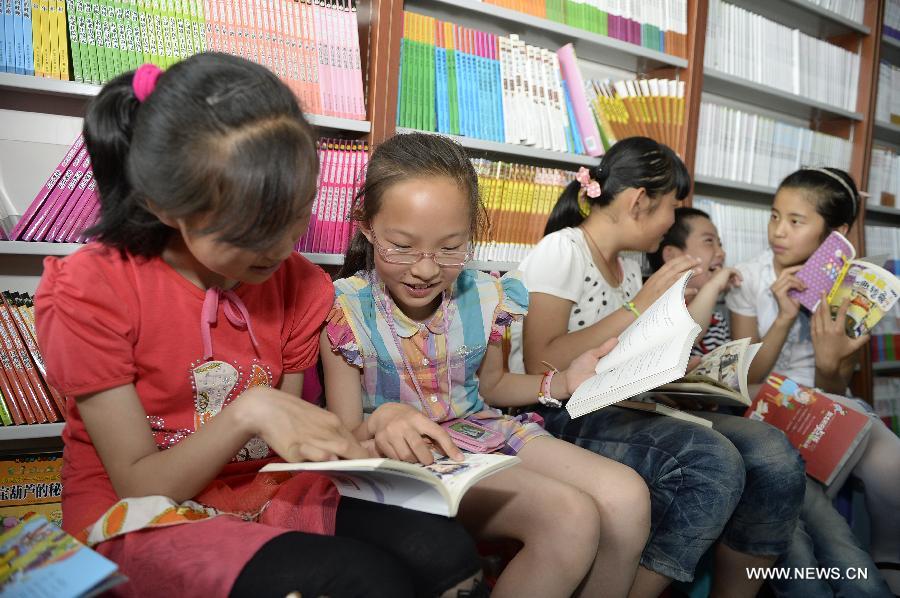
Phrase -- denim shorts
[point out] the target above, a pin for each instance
(740, 481)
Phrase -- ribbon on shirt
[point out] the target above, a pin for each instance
(235, 312)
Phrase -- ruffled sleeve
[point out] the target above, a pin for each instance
(341, 337)
(513, 305)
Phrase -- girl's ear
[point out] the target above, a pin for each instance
(366, 229)
(670, 252)
(843, 229)
(636, 202)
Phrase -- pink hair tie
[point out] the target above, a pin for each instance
(144, 80)
(591, 187)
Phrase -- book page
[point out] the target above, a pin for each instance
(666, 318)
(722, 366)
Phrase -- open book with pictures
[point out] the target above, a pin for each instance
(721, 376)
(437, 488)
(872, 290)
(652, 351)
(39, 559)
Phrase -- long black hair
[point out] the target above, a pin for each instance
(630, 163)
(832, 192)
(220, 139)
(400, 158)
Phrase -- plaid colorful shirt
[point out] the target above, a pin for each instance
(480, 307)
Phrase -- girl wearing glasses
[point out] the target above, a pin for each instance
(415, 343)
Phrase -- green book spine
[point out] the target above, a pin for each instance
(132, 28)
(90, 70)
(402, 104)
(430, 83)
(120, 37)
(452, 92)
(74, 43)
(156, 19)
(4, 412)
(97, 11)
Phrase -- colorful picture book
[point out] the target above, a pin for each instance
(831, 270)
(437, 488)
(30, 484)
(654, 350)
(312, 46)
(39, 559)
(828, 435)
(721, 376)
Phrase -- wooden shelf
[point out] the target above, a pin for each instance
(744, 90)
(31, 431)
(887, 132)
(27, 84)
(734, 190)
(520, 152)
(885, 366)
(806, 16)
(882, 214)
(546, 33)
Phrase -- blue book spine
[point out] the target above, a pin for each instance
(9, 37)
(498, 99)
(462, 104)
(400, 87)
(20, 37)
(2, 36)
(26, 32)
(442, 105)
(470, 95)
(573, 124)
(484, 96)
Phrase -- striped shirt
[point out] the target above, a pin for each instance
(718, 333)
(479, 308)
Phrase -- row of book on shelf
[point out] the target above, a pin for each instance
(887, 103)
(742, 146)
(884, 177)
(891, 26)
(658, 25)
(312, 46)
(749, 46)
(462, 81)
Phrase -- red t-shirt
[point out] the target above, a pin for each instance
(104, 320)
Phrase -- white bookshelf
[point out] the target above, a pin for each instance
(887, 132)
(744, 90)
(516, 152)
(806, 16)
(31, 431)
(734, 190)
(546, 33)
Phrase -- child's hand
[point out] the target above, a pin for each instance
(662, 279)
(584, 366)
(402, 432)
(788, 307)
(830, 341)
(724, 279)
(296, 429)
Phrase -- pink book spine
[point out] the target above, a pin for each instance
(312, 55)
(81, 199)
(295, 27)
(51, 208)
(218, 31)
(337, 240)
(324, 54)
(351, 194)
(344, 34)
(358, 181)
(71, 201)
(332, 199)
(271, 34)
(590, 136)
(306, 243)
(207, 32)
(47, 190)
(614, 26)
(334, 58)
(278, 44)
(321, 196)
(247, 33)
(259, 30)
(90, 216)
(359, 100)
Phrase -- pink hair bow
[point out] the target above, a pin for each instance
(591, 187)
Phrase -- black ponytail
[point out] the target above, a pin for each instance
(220, 143)
(630, 163)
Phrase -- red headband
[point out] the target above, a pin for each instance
(144, 80)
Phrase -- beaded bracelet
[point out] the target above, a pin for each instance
(629, 305)
(544, 397)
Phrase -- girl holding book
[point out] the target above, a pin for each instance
(814, 350)
(416, 343)
(583, 292)
(180, 337)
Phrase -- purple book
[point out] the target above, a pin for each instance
(71, 201)
(38, 229)
(822, 269)
(82, 200)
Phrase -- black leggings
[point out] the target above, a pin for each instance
(377, 550)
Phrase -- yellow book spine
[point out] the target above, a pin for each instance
(52, 33)
(63, 39)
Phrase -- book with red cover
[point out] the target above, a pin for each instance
(828, 435)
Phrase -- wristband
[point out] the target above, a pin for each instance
(629, 305)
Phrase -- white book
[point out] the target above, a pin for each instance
(653, 351)
(436, 488)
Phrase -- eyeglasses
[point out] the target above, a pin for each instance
(408, 257)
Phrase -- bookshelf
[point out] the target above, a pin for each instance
(807, 16)
(887, 132)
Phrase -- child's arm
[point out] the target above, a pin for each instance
(501, 388)
(293, 428)
(397, 429)
(546, 335)
(836, 353)
(773, 341)
(704, 302)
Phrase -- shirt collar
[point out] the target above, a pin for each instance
(406, 326)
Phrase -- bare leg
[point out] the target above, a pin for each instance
(731, 579)
(557, 524)
(648, 584)
(621, 498)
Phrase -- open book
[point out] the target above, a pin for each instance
(832, 270)
(721, 376)
(829, 436)
(39, 559)
(652, 351)
(652, 406)
(437, 488)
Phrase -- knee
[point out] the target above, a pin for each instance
(438, 566)
(581, 526)
(780, 471)
(626, 506)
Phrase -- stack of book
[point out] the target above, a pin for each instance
(660, 25)
(341, 166)
(640, 107)
(751, 47)
(751, 148)
(852, 9)
(882, 240)
(518, 200)
(887, 105)
(891, 27)
(25, 396)
(312, 46)
(460, 81)
(884, 177)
